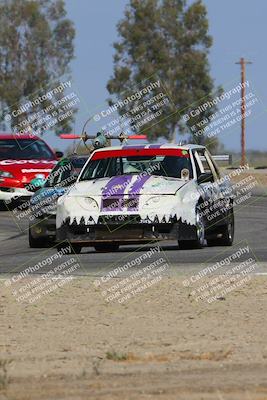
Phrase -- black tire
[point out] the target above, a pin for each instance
(227, 231)
(3, 206)
(187, 244)
(69, 248)
(106, 247)
(200, 232)
(37, 243)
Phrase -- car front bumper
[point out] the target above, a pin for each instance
(8, 194)
(44, 227)
(125, 233)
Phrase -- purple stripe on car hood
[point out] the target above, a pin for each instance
(134, 192)
(115, 188)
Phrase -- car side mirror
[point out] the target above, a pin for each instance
(59, 154)
(205, 177)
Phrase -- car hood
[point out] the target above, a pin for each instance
(26, 170)
(128, 184)
(47, 195)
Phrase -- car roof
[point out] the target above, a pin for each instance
(153, 146)
(13, 136)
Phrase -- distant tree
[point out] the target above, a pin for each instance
(36, 47)
(168, 39)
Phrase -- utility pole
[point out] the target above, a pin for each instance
(243, 63)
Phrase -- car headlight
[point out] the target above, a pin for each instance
(87, 203)
(163, 203)
(153, 201)
(6, 174)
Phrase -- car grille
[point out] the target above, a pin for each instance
(119, 219)
(131, 203)
(111, 203)
(115, 203)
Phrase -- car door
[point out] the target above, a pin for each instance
(224, 190)
(210, 191)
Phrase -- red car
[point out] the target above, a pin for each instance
(23, 159)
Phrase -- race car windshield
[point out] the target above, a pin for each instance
(65, 172)
(24, 149)
(167, 164)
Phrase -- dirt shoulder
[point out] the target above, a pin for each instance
(162, 344)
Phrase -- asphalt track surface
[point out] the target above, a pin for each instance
(251, 230)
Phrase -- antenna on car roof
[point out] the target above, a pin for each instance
(99, 140)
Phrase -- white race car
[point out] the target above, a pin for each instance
(139, 194)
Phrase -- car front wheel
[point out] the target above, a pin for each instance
(39, 243)
(199, 242)
(226, 233)
(3, 206)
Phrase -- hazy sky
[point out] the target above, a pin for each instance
(238, 28)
